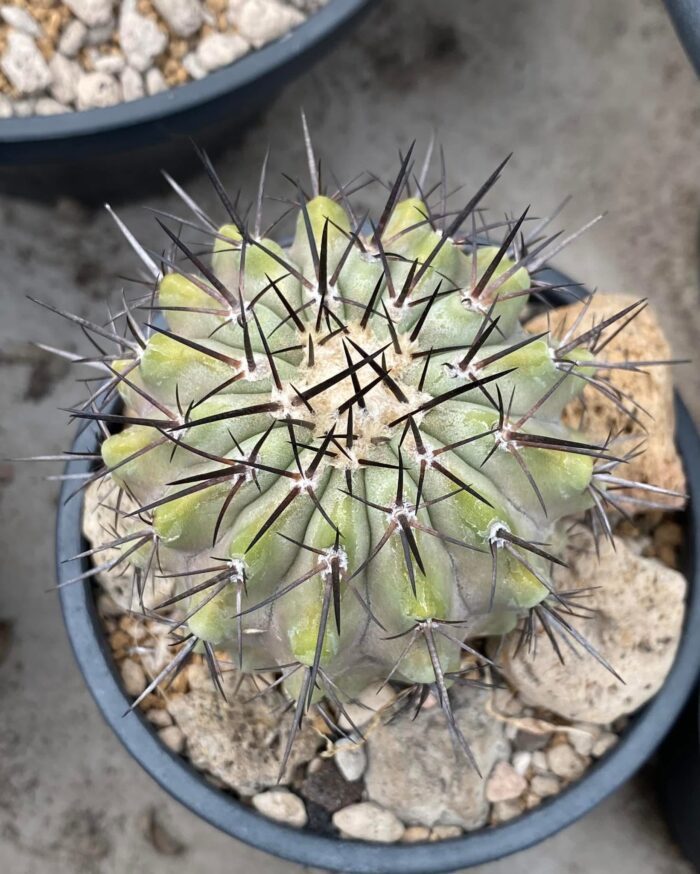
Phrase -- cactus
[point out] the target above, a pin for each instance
(348, 452)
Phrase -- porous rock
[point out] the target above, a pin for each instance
(261, 21)
(240, 741)
(183, 17)
(219, 49)
(638, 606)
(504, 783)
(91, 12)
(644, 340)
(24, 64)
(432, 786)
(97, 91)
(140, 38)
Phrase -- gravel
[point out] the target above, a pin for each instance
(144, 46)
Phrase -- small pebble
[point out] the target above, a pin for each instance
(544, 785)
(350, 759)
(193, 66)
(369, 703)
(72, 38)
(504, 783)
(24, 64)
(445, 832)
(20, 19)
(584, 739)
(48, 106)
(183, 17)
(112, 63)
(521, 762)
(502, 811)
(140, 38)
(159, 717)
(605, 742)
(219, 49)
(261, 21)
(5, 107)
(24, 108)
(155, 82)
(173, 738)
(65, 77)
(282, 806)
(415, 833)
(133, 677)
(92, 12)
(539, 761)
(132, 84)
(565, 762)
(97, 90)
(369, 822)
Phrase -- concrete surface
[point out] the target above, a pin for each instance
(597, 100)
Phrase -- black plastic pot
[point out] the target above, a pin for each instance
(116, 152)
(176, 776)
(678, 778)
(686, 19)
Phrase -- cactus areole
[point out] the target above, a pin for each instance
(348, 452)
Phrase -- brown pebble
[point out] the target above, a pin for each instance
(445, 832)
(415, 833)
(159, 717)
(133, 677)
(504, 783)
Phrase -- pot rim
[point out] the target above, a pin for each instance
(158, 107)
(183, 782)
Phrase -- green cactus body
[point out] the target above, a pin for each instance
(348, 451)
(344, 447)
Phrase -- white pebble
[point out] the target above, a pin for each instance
(173, 738)
(521, 762)
(49, 106)
(92, 12)
(183, 17)
(132, 84)
(282, 806)
(219, 49)
(369, 822)
(6, 110)
(65, 76)
(24, 108)
(112, 63)
(193, 66)
(72, 38)
(155, 82)
(351, 759)
(133, 677)
(20, 19)
(140, 38)
(23, 64)
(261, 21)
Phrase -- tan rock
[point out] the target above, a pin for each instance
(565, 762)
(639, 608)
(240, 741)
(133, 677)
(416, 833)
(435, 788)
(642, 340)
(445, 832)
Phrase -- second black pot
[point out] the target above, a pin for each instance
(183, 782)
